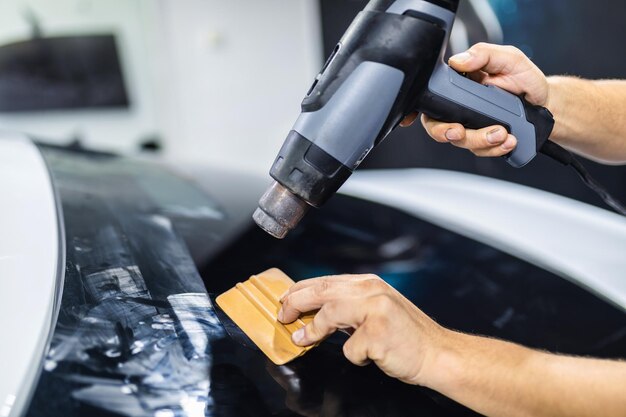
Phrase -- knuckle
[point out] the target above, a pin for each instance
(373, 277)
(373, 284)
(476, 140)
(330, 309)
(286, 304)
(480, 46)
(311, 331)
(382, 323)
(516, 54)
(481, 49)
(438, 133)
(377, 351)
(322, 288)
(439, 128)
(513, 50)
(457, 126)
(376, 327)
(348, 350)
(378, 284)
(315, 329)
(382, 303)
(354, 352)
(365, 286)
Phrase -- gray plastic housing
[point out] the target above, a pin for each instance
(347, 126)
(501, 107)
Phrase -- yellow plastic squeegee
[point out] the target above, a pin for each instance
(253, 305)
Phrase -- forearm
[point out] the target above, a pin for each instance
(498, 378)
(590, 117)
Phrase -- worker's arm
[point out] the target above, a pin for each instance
(493, 377)
(590, 115)
(498, 378)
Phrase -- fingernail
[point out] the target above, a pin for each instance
(462, 57)
(496, 136)
(453, 134)
(509, 144)
(280, 315)
(297, 336)
(282, 297)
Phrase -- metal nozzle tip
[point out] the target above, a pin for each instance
(268, 224)
(279, 211)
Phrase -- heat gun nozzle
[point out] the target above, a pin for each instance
(279, 211)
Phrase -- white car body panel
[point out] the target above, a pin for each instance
(29, 263)
(576, 241)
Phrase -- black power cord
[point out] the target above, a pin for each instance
(563, 156)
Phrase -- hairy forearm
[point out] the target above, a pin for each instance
(590, 117)
(498, 378)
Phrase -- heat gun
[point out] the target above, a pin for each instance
(389, 63)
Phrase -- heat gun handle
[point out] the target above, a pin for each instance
(451, 97)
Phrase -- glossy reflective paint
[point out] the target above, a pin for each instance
(577, 241)
(135, 325)
(461, 283)
(138, 334)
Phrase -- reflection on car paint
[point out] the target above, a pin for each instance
(463, 284)
(164, 368)
(194, 313)
(137, 334)
(125, 343)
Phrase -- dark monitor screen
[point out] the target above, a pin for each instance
(68, 72)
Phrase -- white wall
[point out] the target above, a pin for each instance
(109, 129)
(220, 81)
(238, 70)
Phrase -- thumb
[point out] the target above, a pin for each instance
(464, 62)
(307, 335)
(320, 327)
(493, 59)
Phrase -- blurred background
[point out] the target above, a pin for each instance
(220, 82)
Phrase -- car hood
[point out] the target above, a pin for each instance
(148, 247)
